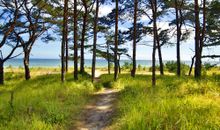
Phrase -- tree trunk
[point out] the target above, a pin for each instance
(82, 62)
(66, 37)
(75, 42)
(178, 39)
(133, 72)
(154, 11)
(159, 54)
(1, 72)
(67, 52)
(108, 58)
(116, 41)
(119, 66)
(95, 40)
(26, 65)
(63, 41)
(191, 67)
(197, 42)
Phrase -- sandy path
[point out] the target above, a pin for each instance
(98, 115)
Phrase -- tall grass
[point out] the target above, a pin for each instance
(175, 103)
(43, 103)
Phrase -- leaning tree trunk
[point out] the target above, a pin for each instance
(1, 72)
(197, 42)
(133, 72)
(26, 65)
(95, 40)
(82, 62)
(159, 48)
(75, 42)
(116, 41)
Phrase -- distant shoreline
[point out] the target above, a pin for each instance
(46, 63)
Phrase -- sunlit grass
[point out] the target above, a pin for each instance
(175, 103)
(43, 102)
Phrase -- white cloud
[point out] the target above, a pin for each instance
(104, 10)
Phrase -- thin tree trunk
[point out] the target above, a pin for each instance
(133, 72)
(178, 38)
(119, 66)
(75, 42)
(67, 52)
(26, 65)
(197, 42)
(95, 40)
(1, 72)
(108, 58)
(159, 54)
(116, 41)
(82, 62)
(191, 67)
(66, 37)
(63, 41)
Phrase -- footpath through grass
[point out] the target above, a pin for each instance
(175, 103)
(43, 103)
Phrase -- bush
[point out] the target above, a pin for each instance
(127, 65)
(157, 68)
(171, 66)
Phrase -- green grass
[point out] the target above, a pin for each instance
(175, 103)
(43, 103)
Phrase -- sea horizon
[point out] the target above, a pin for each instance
(53, 62)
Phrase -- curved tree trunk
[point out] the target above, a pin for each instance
(26, 65)
(1, 72)
(95, 40)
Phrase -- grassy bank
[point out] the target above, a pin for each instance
(43, 103)
(175, 103)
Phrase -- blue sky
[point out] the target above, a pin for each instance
(51, 50)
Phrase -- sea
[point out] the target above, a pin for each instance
(88, 63)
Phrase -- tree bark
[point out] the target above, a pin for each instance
(95, 40)
(63, 41)
(108, 58)
(178, 71)
(66, 37)
(1, 72)
(26, 65)
(198, 62)
(119, 66)
(133, 72)
(154, 10)
(159, 53)
(75, 42)
(67, 50)
(82, 62)
(116, 41)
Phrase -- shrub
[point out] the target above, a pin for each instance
(171, 66)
